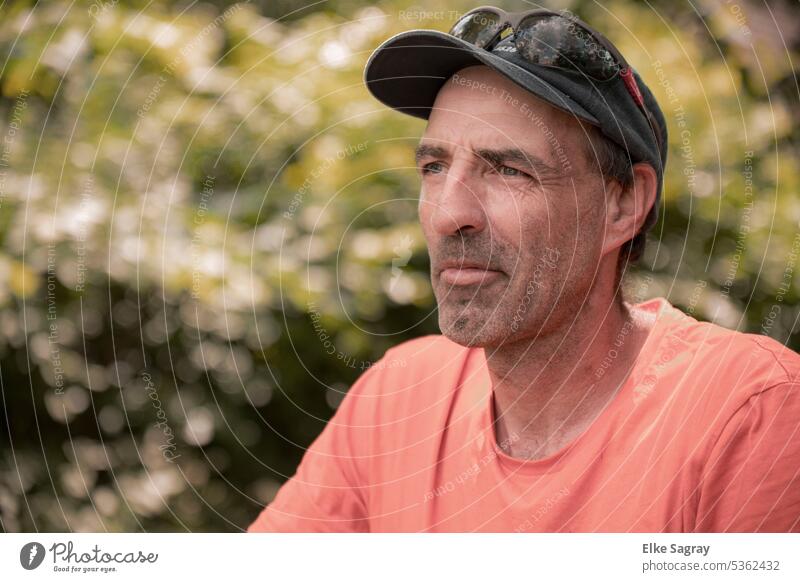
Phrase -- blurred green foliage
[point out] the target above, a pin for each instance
(204, 213)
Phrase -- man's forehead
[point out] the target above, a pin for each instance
(478, 107)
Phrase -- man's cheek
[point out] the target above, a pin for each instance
(547, 269)
(544, 222)
(591, 223)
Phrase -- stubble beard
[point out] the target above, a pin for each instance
(483, 319)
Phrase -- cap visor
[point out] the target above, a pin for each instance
(408, 70)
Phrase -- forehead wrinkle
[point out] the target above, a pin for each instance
(566, 134)
(451, 134)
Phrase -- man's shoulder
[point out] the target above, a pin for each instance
(425, 360)
(419, 370)
(774, 351)
(426, 349)
(707, 374)
(764, 360)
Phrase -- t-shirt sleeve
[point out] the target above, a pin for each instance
(327, 492)
(751, 482)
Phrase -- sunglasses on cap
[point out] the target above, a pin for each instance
(553, 39)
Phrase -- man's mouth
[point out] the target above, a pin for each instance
(463, 273)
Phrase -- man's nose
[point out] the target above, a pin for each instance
(458, 205)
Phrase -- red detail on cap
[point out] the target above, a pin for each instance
(633, 88)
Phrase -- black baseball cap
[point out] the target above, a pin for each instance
(407, 71)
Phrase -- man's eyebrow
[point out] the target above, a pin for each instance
(495, 157)
(427, 150)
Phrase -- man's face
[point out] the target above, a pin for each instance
(511, 209)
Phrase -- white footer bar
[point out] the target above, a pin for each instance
(400, 557)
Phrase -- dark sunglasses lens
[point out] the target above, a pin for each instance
(556, 41)
(477, 28)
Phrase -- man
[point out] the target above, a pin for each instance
(550, 403)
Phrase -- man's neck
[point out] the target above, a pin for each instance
(548, 390)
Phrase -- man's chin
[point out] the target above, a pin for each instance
(470, 332)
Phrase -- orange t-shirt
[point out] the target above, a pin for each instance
(702, 437)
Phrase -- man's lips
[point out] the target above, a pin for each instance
(466, 273)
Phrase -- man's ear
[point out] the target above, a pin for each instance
(627, 208)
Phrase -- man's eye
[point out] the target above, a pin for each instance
(432, 168)
(512, 172)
